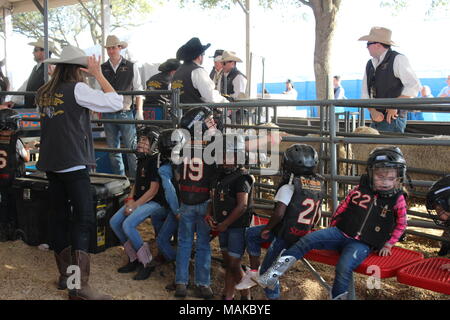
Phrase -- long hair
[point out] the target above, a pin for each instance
(63, 73)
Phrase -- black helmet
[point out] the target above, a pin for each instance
(300, 159)
(387, 157)
(199, 114)
(233, 156)
(167, 140)
(150, 132)
(9, 120)
(439, 194)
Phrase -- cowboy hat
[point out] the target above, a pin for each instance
(70, 55)
(169, 65)
(40, 44)
(112, 41)
(191, 50)
(379, 34)
(217, 53)
(230, 56)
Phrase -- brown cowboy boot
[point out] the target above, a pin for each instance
(82, 260)
(63, 261)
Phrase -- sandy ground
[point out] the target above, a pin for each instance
(28, 273)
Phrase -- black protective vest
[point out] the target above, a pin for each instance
(182, 80)
(224, 201)
(11, 164)
(301, 212)
(122, 79)
(35, 81)
(382, 83)
(66, 136)
(159, 81)
(370, 217)
(229, 88)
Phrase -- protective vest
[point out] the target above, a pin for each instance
(35, 81)
(304, 208)
(66, 136)
(11, 164)
(182, 80)
(224, 201)
(227, 86)
(369, 217)
(159, 81)
(122, 79)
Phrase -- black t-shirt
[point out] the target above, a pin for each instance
(241, 184)
(146, 173)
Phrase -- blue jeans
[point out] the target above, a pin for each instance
(192, 220)
(233, 242)
(125, 226)
(253, 240)
(352, 251)
(396, 125)
(278, 245)
(113, 133)
(166, 226)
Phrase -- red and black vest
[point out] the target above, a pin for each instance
(304, 208)
(11, 164)
(182, 80)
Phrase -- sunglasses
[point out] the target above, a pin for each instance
(370, 43)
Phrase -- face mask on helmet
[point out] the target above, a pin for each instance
(147, 142)
(168, 140)
(300, 159)
(9, 120)
(198, 121)
(438, 202)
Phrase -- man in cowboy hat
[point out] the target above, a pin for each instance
(36, 78)
(388, 75)
(123, 76)
(216, 71)
(161, 81)
(233, 82)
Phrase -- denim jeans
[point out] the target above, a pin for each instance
(396, 125)
(233, 242)
(166, 226)
(192, 220)
(113, 132)
(352, 253)
(253, 240)
(125, 226)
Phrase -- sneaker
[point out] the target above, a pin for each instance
(204, 292)
(248, 280)
(181, 291)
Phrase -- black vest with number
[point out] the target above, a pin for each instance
(182, 80)
(303, 209)
(382, 83)
(35, 81)
(159, 81)
(196, 178)
(224, 202)
(229, 88)
(11, 163)
(369, 216)
(66, 135)
(122, 79)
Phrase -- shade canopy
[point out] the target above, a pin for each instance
(20, 6)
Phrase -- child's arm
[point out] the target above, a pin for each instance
(166, 174)
(343, 206)
(241, 206)
(275, 219)
(146, 197)
(400, 209)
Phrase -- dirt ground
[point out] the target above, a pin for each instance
(28, 273)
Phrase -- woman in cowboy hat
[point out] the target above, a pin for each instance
(66, 153)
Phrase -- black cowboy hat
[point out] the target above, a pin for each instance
(217, 53)
(169, 65)
(192, 49)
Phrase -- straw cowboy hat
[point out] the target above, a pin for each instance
(169, 65)
(230, 56)
(191, 50)
(379, 34)
(40, 44)
(112, 41)
(70, 55)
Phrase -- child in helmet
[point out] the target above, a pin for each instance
(231, 213)
(145, 199)
(438, 206)
(13, 156)
(298, 208)
(372, 217)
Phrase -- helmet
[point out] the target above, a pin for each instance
(234, 156)
(300, 159)
(167, 140)
(387, 157)
(9, 120)
(143, 147)
(199, 114)
(439, 194)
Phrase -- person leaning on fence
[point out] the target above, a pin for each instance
(67, 153)
(298, 208)
(124, 76)
(145, 199)
(371, 218)
(387, 75)
(438, 206)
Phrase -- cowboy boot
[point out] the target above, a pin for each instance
(63, 261)
(145, 267)
(342, 296)
(133, 262)
(85, 292)
(270, 278)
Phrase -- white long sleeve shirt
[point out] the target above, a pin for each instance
(203, 83)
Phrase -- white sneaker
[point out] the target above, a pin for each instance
(248, 280)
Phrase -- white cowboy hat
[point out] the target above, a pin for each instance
(112, 41)
(40, 44)
(70, 55)
(379, 34)
(230, 56)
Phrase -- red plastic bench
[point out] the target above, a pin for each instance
(427, 274)
(389, 266)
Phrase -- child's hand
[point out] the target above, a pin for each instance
(265, 234)
(386, 250)
(446, 267)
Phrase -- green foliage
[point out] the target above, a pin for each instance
(434, 6)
